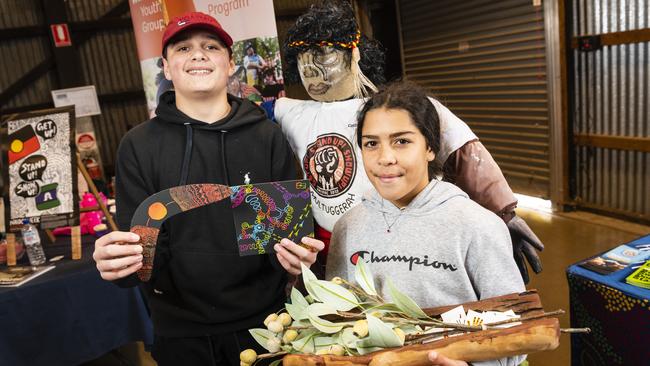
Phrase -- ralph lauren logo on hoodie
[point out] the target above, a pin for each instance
(354, 258)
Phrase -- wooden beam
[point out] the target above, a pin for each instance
(67, 59)
(616, 38)
(26, 79)
(47, 64)
(23, 32)
(75, 27)
(641, 144)
(103, 98)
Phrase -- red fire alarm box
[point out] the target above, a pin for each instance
(60, 35)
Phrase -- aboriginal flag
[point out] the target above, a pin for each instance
(22, 143)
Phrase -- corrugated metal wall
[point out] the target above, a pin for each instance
(486, 60)
(22, 54)
(612, 97)
(108, 60)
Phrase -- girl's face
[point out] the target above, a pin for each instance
(395, 155)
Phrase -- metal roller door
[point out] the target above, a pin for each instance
(486, 61)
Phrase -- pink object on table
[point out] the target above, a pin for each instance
(87, 220)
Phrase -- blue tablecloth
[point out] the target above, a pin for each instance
(617, 313)
(69, 315)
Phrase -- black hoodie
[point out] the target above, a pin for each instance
(200, 285)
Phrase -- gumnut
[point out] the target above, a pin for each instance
(285, 319)
(337, 350)
(289, 336)
(248, 356)
(360, 328)
(275, 326)
(271, 317)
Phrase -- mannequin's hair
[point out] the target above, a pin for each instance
(332, 21)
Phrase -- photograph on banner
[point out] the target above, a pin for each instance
(250, 23)
(40, 168)
(258, 70)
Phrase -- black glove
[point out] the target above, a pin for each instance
(524, 244)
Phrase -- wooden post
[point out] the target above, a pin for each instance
(76, 242)
(11, 249)
(93, 189)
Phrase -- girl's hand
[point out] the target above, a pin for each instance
(290, 254)
(440, 360)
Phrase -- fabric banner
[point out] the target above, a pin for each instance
(250, 23)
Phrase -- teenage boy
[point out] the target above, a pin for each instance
(203, 296)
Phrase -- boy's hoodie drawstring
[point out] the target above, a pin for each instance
(185, 170)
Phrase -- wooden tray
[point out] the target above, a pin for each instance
(530, 336)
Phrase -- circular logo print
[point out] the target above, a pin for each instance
(330, 165)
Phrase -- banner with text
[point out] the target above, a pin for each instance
(250, 23)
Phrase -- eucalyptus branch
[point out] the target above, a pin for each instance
(361, 292)
(424, 337)
(435, 323)
(271, 355)
(300, 327)
(351, 315)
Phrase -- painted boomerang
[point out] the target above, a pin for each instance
(151, 214)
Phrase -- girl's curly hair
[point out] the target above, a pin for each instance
(333, 21)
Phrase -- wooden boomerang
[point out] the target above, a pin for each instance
(159, 207)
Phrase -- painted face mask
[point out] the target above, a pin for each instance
(326, 74)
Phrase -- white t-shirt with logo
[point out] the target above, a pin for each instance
(323, 137)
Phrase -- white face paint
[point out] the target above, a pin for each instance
(325, 73)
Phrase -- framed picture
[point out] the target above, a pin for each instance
(39, 168)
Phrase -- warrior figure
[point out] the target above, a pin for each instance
(338, 66)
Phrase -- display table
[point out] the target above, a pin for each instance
(68, 316)
(617, 313)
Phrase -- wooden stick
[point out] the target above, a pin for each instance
(93, 189)
(523, 319)
(11, 249)
(50, 235)
(575, 330)
(75, 233)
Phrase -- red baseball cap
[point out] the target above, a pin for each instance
(195, 20)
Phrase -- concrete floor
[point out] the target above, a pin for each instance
(569, 237)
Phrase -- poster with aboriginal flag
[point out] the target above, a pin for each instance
(39, 168)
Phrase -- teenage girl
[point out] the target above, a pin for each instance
(425, 235)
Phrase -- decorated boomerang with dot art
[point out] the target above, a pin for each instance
(151, 214)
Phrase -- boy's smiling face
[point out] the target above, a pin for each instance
(198, 64)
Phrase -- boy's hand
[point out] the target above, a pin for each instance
(114, 257)
(440, 360)
(290, 254)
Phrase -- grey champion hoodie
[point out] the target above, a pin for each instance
(441, 249)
